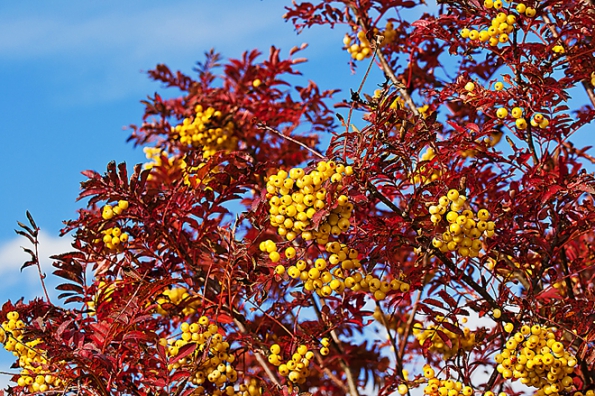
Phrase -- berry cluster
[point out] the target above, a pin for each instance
(114, 239)
(538, 119)
(536, 357)
(31, 359)
(210, 363)
(430, 335)
(296, 368)
(208, 130)
(501, 25)
(425, 174)
(342, 269)
(108, 212)
(176, 296)
(362, 49)
(359, 51)
(250, 388)
(465, 228)
(296, 197)
(440, 387)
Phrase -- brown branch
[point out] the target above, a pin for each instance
(259, 356)
(386, 67)
(286, 137)
(409, 324)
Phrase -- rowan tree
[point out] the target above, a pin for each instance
(248, 258)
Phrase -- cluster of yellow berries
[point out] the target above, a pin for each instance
(362, 49)
(31, 360)
(295, 198)
(501, 26)
(465, 228)
(114, 239)
(208, 130)
(211, 362)
(535, 357)
(176, 296)
(440, 387)
(342, 269)
(465, 342)
(359, 51)
(538, 119)
(108, 212)
(250, 388)
(422, 174)
(295, 369)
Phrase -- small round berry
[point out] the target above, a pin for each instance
(503, 38)
(274, 256)
(521, 123)
(544, 124)
(530, 12)
(498, 86)
(470, 86)
(516, 112)
(107, 212)
(508, 327)
(497, 313)
(465, 33)
(474, 35)
(290, 252)
(453, 194)
(488, 3)
(483, 214)
(497, 4)
(324, 351)
(280, 269)
(502, 112)
(520, 8)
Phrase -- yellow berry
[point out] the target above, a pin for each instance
(498, 86)
(521, 8)
(497, 313)
(470, 86)
(465, 33)
(280, 269)
(521, 123)
(502, 112)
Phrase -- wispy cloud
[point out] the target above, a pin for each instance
(96, 57)
(17, 284)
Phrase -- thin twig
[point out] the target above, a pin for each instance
(337, 343)
(409, 324)
(286, 137)
(38, 264)
(359, 91)
(387, 69)
(259, 356)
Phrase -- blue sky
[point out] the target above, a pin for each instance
(72, 76)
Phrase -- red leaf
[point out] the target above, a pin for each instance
(185, 351)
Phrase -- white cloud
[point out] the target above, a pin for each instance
(12, 258)
(94, 54)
